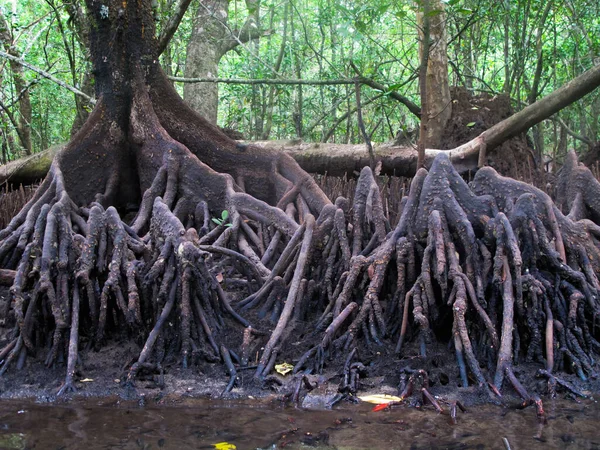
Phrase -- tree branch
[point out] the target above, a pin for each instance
(249, 31)
(48, 76)
(267, 81)
(337, 159)
(572, 133)
(171, 27)
(412, 107)
(361, 126)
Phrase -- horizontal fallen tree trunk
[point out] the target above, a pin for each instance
(30, 169)
(324, 158)
(340, 159)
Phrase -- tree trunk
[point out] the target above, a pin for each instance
(80, 26)
(433, 41)
(211, 38)
(144, 150)
(203, 56)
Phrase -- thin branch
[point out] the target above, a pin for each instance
(412, 107)
(267, 81)
(23, 91)
(239, 40)
(346, 115)
(574, 134)
(327, 113)
(48, 76)
(171, 27)
(249, 31)
(11, 117)
(309, 43)
(470, 21)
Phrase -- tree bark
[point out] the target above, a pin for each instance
(144, 151)
(30, 169)
(424, 20)
(7, 277)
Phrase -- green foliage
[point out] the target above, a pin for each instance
(223, 219)
(35, 36)
(494, 48)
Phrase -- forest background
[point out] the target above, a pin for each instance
(287, 69)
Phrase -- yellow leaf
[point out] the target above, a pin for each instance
(225, 446)
(379, 399)
(87, 380)
(284, 368)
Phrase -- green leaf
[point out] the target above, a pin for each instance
(225, 214)
(471, 124)
(217, 221)
(434, 12)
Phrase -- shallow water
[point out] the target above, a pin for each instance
(200, 424)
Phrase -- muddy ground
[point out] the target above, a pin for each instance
(102, 373)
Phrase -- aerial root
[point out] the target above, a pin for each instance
(492, 254)
(226, 356)
(286, 314)
(496, 263)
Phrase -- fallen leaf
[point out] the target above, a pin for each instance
(379, 399)
(219, 277)
(380, 407)
(284, 368)
(87, 380)
(224, 446)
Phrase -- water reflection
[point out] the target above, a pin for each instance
(202, 424)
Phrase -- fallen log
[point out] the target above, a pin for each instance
(30, 169)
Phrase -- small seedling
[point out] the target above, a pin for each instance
(223, 219)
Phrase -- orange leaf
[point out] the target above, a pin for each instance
(380, 407)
